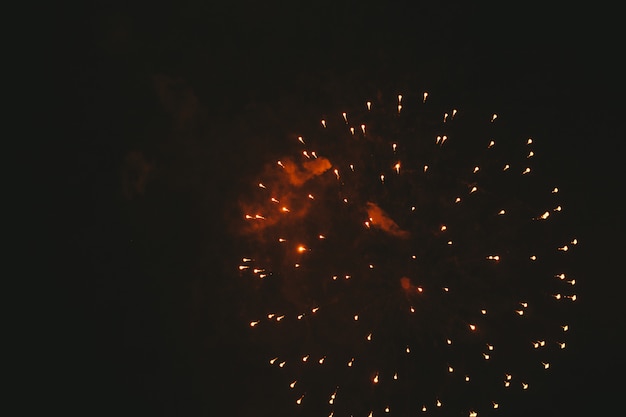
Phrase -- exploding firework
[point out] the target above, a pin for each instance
(407, 259)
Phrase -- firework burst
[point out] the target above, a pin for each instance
(407, 259)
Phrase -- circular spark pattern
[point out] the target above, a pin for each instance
(407, 259)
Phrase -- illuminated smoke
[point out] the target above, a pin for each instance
(381, 220)
(298, 175)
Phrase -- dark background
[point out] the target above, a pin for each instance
(180, 104)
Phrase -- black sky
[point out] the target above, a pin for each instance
(179, 104)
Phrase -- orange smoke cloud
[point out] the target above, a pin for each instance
(282, 202)
(409, 287)
(309, 169)
(381, 220)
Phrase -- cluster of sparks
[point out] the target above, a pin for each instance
(401, 264)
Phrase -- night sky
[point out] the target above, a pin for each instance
(180, 106)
